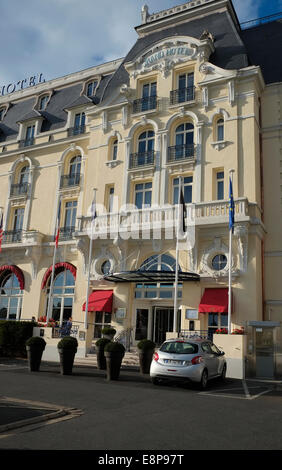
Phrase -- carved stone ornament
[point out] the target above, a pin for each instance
(217, 248)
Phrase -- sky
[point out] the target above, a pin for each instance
(58, 37)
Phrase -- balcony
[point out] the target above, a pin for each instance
(66, 233)
(182, 95)
(144, 104)
(20, 189)
(141, 159)
(26, 142)
(77, 130)
(12, 236)
(68, 181)
(181, 152)
(165, 217)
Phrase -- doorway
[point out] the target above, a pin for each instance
(264, 350)
(163, 322)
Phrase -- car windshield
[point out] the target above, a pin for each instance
(179, 347)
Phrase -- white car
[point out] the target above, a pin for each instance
(196, 360)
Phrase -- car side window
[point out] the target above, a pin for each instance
(206, 348)
(214, 349)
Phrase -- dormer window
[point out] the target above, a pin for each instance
(91, 88)
(43, 102)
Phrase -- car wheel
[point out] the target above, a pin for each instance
(204, 380)
(223, 373)
(155, 381)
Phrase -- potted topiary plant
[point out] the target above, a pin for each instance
(108, 332)
(146, 349)
(67, 348)
(35, 347)
(114, 353)
(100, 346)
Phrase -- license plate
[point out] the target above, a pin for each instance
(174, 363)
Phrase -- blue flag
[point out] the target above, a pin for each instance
(231, 207)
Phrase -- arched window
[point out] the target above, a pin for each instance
(184, 141)
(10, 296)
(159, 290)
(146, 144)
(74, 171)
(63, 295)
(220, 129)
(24, 175)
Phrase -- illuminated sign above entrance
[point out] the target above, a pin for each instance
(21, 84)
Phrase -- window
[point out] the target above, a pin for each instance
(79, 123)
(220, 130)
(70, 215)
(145, 150)
(43, 102)
(149, 96)
(185, 87)
(215, 321)
(29, 136)
(179, 347)
(187, 189)
(24, 175)
(220, 185)
(74, 173)
(143, 195)
(111, 199)
(10, 297)
(219, 262)
(184, 142)
(91, 88)
(114, 149)
(106, 267)
(101, 319)
(18, 219)
(63, 296)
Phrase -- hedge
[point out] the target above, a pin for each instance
(13, 336)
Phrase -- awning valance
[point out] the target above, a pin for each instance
(17, 271)
(100, 301)
(214, 300)
(151, 276)
(58, 268)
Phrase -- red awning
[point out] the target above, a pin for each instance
(58, 267)
(214, 301)
(100, 301)
(17, 271)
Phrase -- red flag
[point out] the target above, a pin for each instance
(58, 226)
(1, 232)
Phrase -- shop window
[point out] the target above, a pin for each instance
(216, 321)
(101, 319)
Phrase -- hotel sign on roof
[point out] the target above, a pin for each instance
(21, 84)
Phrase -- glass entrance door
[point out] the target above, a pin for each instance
(264, 345)
(163, 322)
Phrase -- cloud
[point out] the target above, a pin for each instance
(58, 37)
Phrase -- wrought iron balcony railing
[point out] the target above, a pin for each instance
(182, 95)
(26, 142)
(66, 233)
(144, 104)
(76, 130)
(19, 189)
(12, 236)
(70, 180)
(180, 152)
(141, 159)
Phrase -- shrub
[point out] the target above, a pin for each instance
(68, 342)
(36, 341)
(13, 336)
(108, 330)
(114, 346)
(146, 345)
(101, 343)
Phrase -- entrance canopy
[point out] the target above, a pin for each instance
(214, 301)
(100, 301)
(151, 276)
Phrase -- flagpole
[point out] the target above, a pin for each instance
(230, 261)
(89, 261)
(176, 262)
(53, 266)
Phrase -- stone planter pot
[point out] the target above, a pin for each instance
(113, 362)
(145, 359)
(34, 356)
(66, 360)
